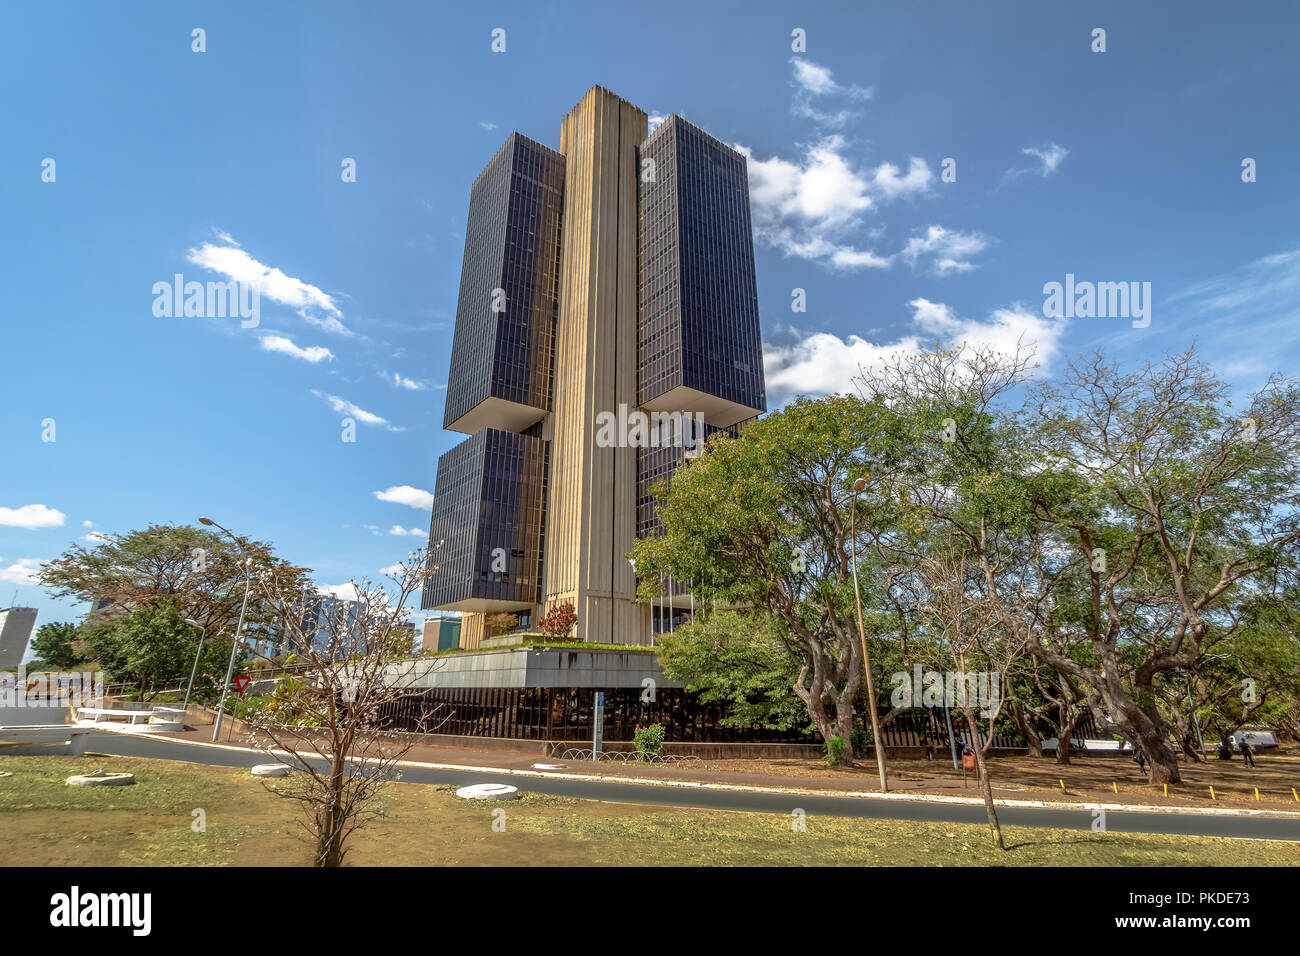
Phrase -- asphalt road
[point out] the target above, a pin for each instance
(1246, 827)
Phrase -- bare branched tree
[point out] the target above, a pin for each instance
(960, 612)
(331, 716)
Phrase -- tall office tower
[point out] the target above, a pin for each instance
(16, 626)
(654, 316)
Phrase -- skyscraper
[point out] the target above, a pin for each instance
(16, 626)
(607, 323)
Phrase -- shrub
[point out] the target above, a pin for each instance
(861, 738)
(559, 620)
(649, 741)
(836, 749)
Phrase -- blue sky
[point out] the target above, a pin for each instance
(1115, 166)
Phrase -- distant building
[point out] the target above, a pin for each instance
(106, 609)
(16, 626)
(441, 633)
(330, 626)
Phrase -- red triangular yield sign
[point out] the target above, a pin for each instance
(241, 683)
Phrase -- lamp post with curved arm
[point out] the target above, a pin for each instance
(203, 633)
(858, 487)
(239, 628)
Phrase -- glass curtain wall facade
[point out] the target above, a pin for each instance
(501, 356)
(488, 530)
(701, 346)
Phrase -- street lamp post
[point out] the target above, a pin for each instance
(239, 628)
(203, 633)
(858, 487)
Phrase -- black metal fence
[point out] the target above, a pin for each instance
(545, 713)
(919, 727)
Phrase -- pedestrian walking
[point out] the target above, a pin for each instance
(1247, 753)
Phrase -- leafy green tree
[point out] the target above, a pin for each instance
(739, 660)
(1183, 509)
(763, 522)
(1119, 520)
(54, 646)
(198, 568)
(153, 646)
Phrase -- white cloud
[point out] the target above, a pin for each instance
(96, 537)
(1050, 156)
(821, 363)
(312, 304)
(821, 189)
(88, 524)
(22, 572)
(1234, 311)
(818, 81)
(806, 208)
(413, 532)
(887, 181)
(343, 406)
(814, 83)
(398, 380)
(278, 343)
(32, 517)
(392, 570)
(655, 121)
(406, 495)
(944, 251)
(815, 208)
(1001, 331)
(487, 125)
(1049, 159)
(345, 592)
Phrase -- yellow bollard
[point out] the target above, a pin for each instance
(1296, 795)
(1257, 794)
(1166, 790)
(1062, 783)
(1211, 793)
(1114, 786)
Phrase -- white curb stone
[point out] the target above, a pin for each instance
(488, 791)
(100, 779)
(272, 770)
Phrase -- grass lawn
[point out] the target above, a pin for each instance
(45, 823)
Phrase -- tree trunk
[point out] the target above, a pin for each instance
(986, 785)
(1148, 734)
(329, 838)
(1026, 728)
(1160, 756)
(1064, 733)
